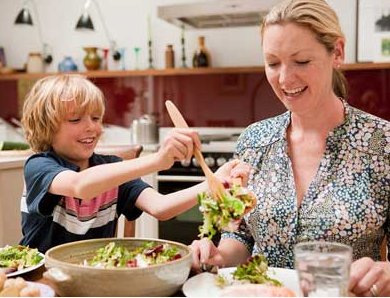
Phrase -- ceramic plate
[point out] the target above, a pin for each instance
(28, 269)
(204, 285)
(45, 290)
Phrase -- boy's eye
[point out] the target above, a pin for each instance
(96, 118)
(74, 120)
(303, 62)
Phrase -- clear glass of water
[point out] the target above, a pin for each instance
(323, 268)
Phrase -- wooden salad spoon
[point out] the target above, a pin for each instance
(215, 185)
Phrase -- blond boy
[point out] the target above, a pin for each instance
(74, 194)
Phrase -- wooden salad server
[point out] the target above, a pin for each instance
(215, 185)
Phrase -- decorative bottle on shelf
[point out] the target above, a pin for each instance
(169, 57)
(91, 60)
(202, 56)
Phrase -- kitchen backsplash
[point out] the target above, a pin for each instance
(217, 100)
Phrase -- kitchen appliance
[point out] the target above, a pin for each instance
(145, 130)
(218, 146)
(217, 13)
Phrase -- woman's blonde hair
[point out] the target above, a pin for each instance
(49, 101)
(321, 19)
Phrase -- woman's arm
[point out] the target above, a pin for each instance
(230, 252)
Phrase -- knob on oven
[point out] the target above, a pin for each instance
(195, 162)
(185, 163)
(210, 161)
(221, 161)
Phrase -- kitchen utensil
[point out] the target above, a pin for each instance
(72, 278)
(145, 130)
(215, 185)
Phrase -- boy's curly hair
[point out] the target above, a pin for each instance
(49, 101)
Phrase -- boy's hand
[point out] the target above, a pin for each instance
(234, 169)
(178, 145)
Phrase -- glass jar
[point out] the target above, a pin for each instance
(35, 63)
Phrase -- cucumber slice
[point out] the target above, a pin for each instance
(5, 145)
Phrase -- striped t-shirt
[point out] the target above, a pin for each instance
(49, 220)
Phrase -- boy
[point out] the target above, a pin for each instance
(74, 194)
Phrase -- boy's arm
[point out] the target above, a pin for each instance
(98, 179)
(164, 207)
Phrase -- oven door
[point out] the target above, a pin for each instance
(183, 228)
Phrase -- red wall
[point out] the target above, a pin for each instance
(232, 100)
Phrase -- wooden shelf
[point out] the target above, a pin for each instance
(180, 71)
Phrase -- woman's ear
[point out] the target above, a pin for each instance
(339, 52)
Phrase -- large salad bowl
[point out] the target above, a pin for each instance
(72, 278)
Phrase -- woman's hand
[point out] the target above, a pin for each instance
(234, 169)
(178, 145)
(369, 278)
(205, 253)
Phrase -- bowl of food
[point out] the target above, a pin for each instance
(118, 267)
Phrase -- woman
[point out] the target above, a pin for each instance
(321, 170)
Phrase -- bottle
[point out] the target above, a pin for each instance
(202, 56)
(35, 63)
(169, 57)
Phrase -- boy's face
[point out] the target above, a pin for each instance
(77, 137)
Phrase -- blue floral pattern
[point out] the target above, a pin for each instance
(347, 201)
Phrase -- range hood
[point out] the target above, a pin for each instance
(216, 13)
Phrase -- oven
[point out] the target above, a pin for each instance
(218, 145)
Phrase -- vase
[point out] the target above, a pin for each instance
(91, 60)
(67, 64)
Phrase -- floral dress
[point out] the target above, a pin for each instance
(347, 201)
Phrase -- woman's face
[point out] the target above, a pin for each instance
(77, 137)
(298, 67)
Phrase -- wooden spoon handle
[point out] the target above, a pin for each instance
(179, 121)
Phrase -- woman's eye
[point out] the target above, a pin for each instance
(272, 64)
(303, 62)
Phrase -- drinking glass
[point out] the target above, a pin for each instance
(323, 268)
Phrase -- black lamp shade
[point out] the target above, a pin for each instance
(85, 22)
(24, 17)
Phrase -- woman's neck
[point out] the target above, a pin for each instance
(321, 119)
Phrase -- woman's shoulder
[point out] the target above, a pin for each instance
(372, 131)
(265, 132)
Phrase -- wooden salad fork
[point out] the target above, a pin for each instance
(215, 185)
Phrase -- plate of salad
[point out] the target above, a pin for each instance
(225, 214)
(254, 272)
(19, 259)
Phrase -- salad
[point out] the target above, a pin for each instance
(253, 271)
(18, 257)
(224, 214)
(150, 253)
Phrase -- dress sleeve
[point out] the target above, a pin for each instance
(242, 235)
(128, 195)
(39, 173)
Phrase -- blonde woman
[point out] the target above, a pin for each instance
(73, 193)
(320, 171)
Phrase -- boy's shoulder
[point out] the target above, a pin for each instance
(52, 157)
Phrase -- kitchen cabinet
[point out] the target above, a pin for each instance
(11, 187)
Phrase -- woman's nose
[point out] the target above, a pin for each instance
(285, 74)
